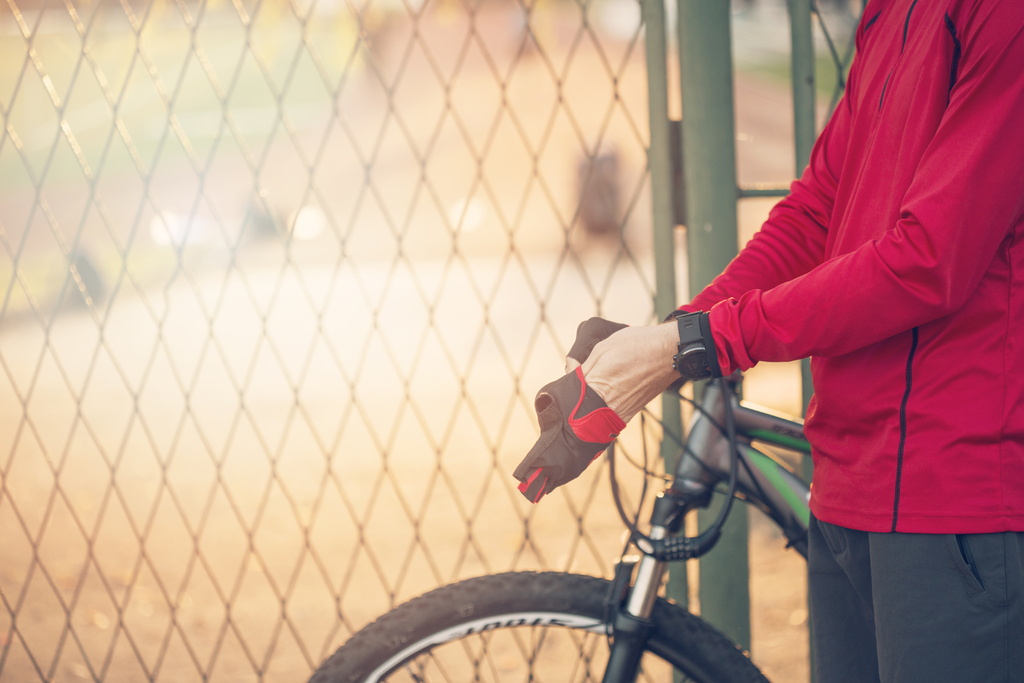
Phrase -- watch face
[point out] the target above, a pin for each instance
(692, 363)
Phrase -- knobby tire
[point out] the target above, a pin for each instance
(496, 627)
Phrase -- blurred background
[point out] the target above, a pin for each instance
(280, 279)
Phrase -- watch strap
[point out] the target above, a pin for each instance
(695, 331)
(709, 343)
(689, 329)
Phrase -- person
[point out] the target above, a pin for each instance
(897, 265)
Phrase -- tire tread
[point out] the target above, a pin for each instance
(676, 630)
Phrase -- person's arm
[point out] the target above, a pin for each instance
(632, 366)
(792, 241)
(967, 193)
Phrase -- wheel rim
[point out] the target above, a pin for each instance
(523, 646)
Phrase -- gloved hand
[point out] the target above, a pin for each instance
(588, 334)
(576, 424)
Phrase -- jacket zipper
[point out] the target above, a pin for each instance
(903, 429)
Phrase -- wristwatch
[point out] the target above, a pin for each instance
(696, 356)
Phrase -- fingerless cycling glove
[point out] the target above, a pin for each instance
(588, 334)
(576, 426)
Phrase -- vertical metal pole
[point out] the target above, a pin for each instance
(659, 162)
(804, 134)
(803, 81)
(804, 130)
(705, 56)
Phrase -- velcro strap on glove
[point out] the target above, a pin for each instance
(576, 426)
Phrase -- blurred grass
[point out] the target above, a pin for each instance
(199, 88)
(254, 95)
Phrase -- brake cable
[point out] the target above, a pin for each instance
(683, 547)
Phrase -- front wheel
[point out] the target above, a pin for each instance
(525, 626)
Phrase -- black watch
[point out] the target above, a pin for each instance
(696, 357)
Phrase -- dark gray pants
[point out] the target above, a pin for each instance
(903, 608)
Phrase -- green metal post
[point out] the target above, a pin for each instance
(804, 110)
(803, 81)
(804, 134)
(705, 57)
(659, 162)
(804, 130)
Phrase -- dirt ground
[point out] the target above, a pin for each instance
(238, 560)
(247, 449)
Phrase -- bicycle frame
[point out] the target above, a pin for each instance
(705, 461)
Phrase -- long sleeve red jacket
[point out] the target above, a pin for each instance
(896, 263)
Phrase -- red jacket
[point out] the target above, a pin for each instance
(897, 264)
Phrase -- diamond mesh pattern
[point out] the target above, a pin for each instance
(841, 63)
(279, 281)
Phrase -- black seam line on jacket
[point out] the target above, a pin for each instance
(906, 25)
(886, 85)
(903, 429)
(872, 20)
(955, 66)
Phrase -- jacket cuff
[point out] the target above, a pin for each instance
(724, 320)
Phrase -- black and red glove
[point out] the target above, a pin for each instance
(588, 334)
(576, 425)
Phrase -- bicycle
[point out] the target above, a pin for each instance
(551, 625)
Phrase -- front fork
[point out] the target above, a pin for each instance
(631, 606)
(631, 620)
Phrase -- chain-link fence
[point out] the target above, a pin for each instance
(280, 279)
(279, 282)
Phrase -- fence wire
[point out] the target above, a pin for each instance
(280, 278)
(279, 281)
